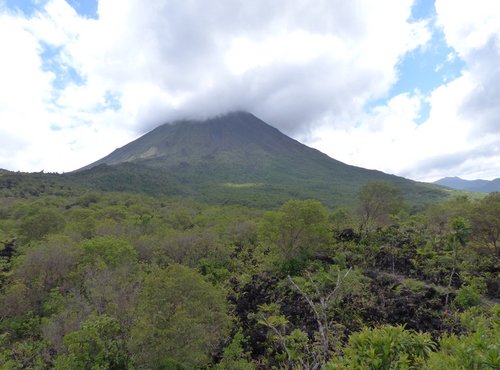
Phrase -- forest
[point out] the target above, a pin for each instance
(119, 280)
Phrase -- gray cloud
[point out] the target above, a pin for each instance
(445, 163)
(308, 69)
(482, 104)
(182, 48)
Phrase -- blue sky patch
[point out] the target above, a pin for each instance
(28, 7)
(85, 8)
(422, 9)
(64, 74)
(425, 68)
(112, 100)
(425, 109)
(428, 67)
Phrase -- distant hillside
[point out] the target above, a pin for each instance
(238, 158)
(483, 186)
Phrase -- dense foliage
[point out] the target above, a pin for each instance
(117, 280)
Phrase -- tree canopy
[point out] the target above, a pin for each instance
(104, 280)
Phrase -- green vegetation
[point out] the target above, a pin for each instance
(93, 279)
(387, 347)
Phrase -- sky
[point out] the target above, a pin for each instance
(408, 87)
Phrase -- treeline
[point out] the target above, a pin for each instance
(125, 281)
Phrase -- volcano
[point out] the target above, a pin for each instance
(238, 158)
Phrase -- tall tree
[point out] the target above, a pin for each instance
(296, 230)
(98, 344)
(180, 320)
(485, 218)
(377, 201)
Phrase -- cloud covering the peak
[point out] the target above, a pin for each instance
(75, 87)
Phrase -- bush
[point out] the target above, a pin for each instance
(387, 347)
(467, 296)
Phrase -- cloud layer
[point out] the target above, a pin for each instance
(74, 88)
(461, 135)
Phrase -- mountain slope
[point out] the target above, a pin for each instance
(484, 186)
(239, 158)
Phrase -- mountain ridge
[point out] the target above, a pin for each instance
(482, 186)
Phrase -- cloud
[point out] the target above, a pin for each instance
(77, 87)
(473, 31)
(461, 135)
(378, 139)
(23, 84)
(291, 63)
(47, 121)
(254, 55)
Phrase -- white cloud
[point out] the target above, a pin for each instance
(462, 133)
(448, 143)
(468, 25)
(467, 110)
(383, 139)
(307, 68)
(24, 88)
(293, 63)
(42, 127)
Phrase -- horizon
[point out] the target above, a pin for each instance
(202, 120)
(412, 91)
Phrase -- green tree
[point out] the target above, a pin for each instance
(26, 354)
(439, 215)
(460, 232)
(97, 345)
(296, 230)
(289, 349)
(180, 320)
(110, 276)
(41, 223)
(377, 201)
(44, 267)
(83, 222)
(322, 291)
(107, 251)
(467, 296)
(234, 356)
(341, 218)
(485, 218)
(479, 348)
